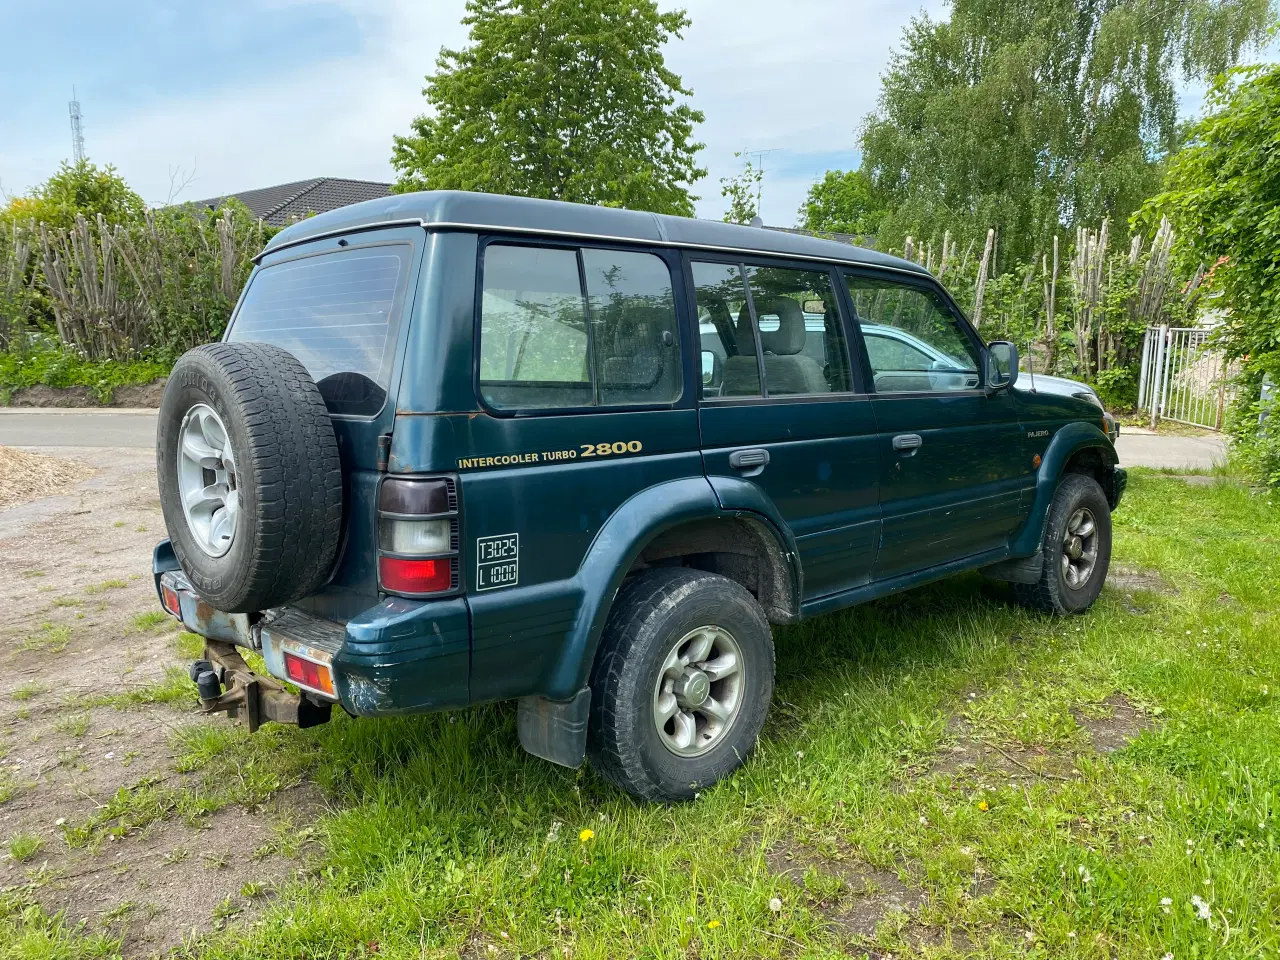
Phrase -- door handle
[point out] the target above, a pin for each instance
(753, 459)
(907, 441)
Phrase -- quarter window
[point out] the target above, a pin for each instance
(576, 328)
(914, 343)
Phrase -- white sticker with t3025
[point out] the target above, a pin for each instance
(497, 561)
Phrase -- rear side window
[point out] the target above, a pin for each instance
(576, 328)
(337, 313)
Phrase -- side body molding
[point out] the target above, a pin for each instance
(1068, 441)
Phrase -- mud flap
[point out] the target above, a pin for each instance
(555, 730)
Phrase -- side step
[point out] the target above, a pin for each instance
(261, 698)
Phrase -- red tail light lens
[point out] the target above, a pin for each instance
(415, 576)
(169, 598)
(308, 673)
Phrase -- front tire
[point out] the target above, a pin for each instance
(1076, 550)
(682, 684)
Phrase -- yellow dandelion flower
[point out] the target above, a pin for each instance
(983, 805)
(587, 834)
(713, 924)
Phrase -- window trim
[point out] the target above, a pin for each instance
(576, 246)
(929, 285)
(692, 256)
(398, 321)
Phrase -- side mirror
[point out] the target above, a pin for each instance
(1002, 365)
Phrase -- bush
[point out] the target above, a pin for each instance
(46, 362)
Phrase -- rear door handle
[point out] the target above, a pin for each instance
(907, 441)
(753, 459)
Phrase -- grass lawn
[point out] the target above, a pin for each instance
(941, 752)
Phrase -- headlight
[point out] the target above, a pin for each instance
(1091, 397)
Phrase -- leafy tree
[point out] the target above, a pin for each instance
(81, 187)
(561, 99)
(1223, 195)
(743, 193)
(842, 203)
(1037, 115)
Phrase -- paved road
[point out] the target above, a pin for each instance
(43, 427)
(57, 427)
(1175, 453)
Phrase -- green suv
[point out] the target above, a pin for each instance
(458, 448)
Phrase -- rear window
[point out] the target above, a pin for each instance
(337, 313)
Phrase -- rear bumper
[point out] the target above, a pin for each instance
(399, 656)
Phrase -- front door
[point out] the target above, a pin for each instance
(953, 457)
(779, 410)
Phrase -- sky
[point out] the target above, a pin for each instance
(243, 94)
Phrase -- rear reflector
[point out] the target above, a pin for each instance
(307, 673)
(169, 599)
(415, 576)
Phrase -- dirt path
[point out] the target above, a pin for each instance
(75, 595)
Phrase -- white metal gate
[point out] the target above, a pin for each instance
(1183, 378)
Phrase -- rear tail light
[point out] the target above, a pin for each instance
(169, 600)
(308, 673)
(418, 536)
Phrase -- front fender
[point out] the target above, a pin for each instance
(615, 547)
(1066, 443)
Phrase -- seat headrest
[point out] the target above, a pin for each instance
(788, 339)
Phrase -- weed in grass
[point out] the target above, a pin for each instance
(189, 646)
(177, 855)
(49, 639)
(67, 601)
(119, 912)
(24, 846)
(151, 619)
(175, 689)
(106, 585)
(140, 528)
(30, 574)
(254, 891)
(216, 861)
(8, 789)
(29, 690)
(76, 725)
(118, 524)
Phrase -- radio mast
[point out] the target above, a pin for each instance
(77, 128)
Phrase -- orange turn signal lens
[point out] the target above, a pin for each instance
(308, 673)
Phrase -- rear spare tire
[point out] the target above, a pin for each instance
(250, 478)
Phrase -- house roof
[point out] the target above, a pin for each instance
(290, 202)
(456, 210)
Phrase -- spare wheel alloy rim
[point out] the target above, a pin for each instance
(699, 692)
(207, 480)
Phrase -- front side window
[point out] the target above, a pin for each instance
(576, 328)
(337, 313)
(914, 343)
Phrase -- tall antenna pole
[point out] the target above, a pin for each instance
(77, 129)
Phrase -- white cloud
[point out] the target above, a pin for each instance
(795, 78)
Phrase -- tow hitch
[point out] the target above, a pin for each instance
(261, 698)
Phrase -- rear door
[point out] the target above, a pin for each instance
(339, 305)
(581, 376)
(780, 409)
(953, 463)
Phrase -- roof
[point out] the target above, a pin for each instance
(290, 202)
(456, 209)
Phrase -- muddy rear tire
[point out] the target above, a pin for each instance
(250, 477)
